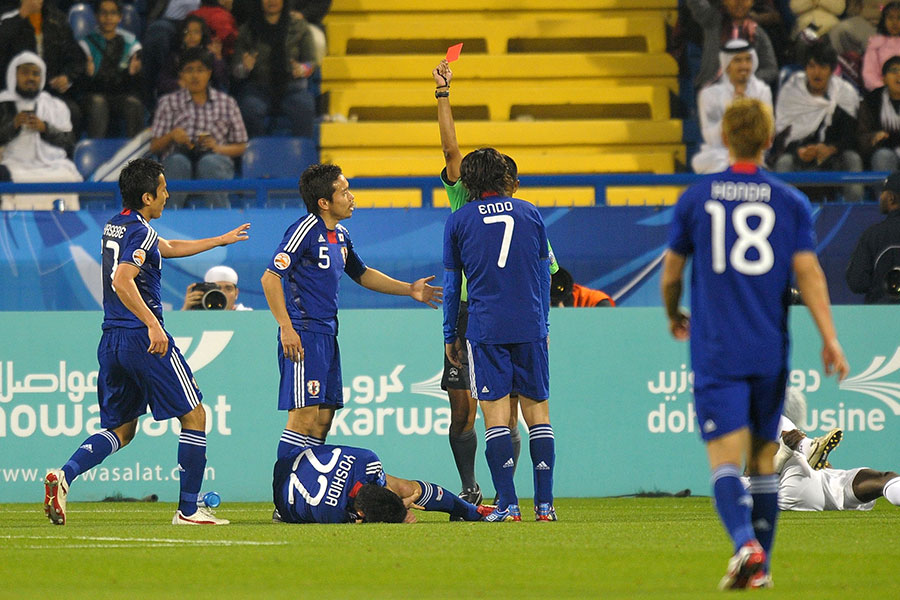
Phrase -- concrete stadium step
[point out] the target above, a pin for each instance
(400, 162)
(503, 133)
(637, 67)
(401, 33)
(413, 101)
(380, 6)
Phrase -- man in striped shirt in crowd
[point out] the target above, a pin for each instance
(140, 365)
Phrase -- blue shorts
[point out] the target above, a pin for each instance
(314, 380)
(131, 379)
(724, 404)
(496, 370)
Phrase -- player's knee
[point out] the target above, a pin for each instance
(194, 420)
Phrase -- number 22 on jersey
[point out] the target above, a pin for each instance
(747, 237)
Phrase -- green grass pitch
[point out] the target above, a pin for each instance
(601, 548)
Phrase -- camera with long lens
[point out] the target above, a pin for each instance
(213, 297)
(892, 284)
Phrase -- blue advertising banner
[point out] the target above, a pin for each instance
(621, 402)
(50, 260)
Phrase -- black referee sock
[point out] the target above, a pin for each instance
(464, 447)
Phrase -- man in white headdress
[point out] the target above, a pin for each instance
(36, 129)
(738, 63)
(816, 120)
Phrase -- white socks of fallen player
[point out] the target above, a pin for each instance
(892, 491)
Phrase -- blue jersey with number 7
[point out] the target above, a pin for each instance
(742, 228)
(501, 244)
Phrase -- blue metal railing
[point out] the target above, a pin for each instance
(263, 187)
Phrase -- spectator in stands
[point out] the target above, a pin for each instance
(314, 11)
(767, 14)
(161, 37)
(738, 62)
(819, 15)
(40, 28)
(273, 59)
(874, 268)
(565, 292)
(198, 130)
(815, 120)
(851, 36)
(36, 129)
(720, 24)
(217, 14)
(113, 79)
(879, 120)
(194, 34)
(227, 280)
(882, 46)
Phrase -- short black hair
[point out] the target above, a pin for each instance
(379, 504)
(882, 28)
(561, 284)
(894, 60)
(317, 181)
(139, 177)
(485, 171)
(822, 53)
(198, 53)
(118, 4)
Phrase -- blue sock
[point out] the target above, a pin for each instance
(543, 458)
(764, 489)
(733, 503)
(192, 464)
(434, 497)
(91, 453)
(290, 440)
(499, 454)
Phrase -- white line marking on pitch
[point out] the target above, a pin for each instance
(150, 540)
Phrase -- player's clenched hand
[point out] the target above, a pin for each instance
(453, 352)
(239, 234)
(159, 342)
(834, 360)
(442, 74)
(680, 325)
(290, 343)
(426, 294)
(410, 517)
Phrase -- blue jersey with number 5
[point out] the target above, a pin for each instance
(501, 245)
(310, 260)
(128, 238)
(742, 228)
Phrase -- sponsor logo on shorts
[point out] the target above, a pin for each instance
(282, 261)
(485, 390)
(709, 426)
(139, 256)
(312, 387)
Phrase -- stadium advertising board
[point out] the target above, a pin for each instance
(621, 402)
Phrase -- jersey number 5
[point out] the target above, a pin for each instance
(746, 237)
(114, 246)
(508, 226)
(321, 479)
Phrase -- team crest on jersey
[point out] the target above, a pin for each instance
(139, 256)
(282, 261)
(312, 386)
(340, 237)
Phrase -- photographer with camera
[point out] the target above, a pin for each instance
(874, 268)
(218, 291)
(565, 292)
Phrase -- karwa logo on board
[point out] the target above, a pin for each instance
(29, 403)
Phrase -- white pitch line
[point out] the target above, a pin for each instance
(90, 546)
(150, 540)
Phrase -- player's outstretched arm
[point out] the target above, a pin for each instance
(671, 284)
(290, 339)
(814, 291)
(420, 290)
(179, 248)
(127, 291)
(452, 156)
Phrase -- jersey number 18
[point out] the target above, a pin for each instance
(747, 237)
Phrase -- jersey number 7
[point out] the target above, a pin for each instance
(508, 226)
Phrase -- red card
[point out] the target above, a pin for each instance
(453, 52)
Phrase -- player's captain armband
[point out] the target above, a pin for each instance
(139, 256)
(282, 261)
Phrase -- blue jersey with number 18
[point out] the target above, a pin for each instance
(742, 227)
(501, 244)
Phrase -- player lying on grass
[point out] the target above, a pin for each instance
(802, 487)
(343, 484)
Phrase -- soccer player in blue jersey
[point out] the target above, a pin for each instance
(140, 365)
(341, 484)
(501, 244)
(747, 233)
(301, 287)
